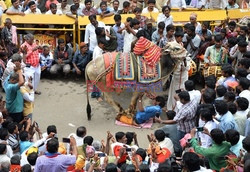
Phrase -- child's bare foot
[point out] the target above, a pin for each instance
(135, 124)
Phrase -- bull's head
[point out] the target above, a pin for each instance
(175, 50)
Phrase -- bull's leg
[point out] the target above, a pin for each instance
(111, 101)
(133, 102)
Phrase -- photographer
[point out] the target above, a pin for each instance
(216, 152)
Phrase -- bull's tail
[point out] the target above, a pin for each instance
(88, 108)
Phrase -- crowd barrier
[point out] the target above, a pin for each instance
(61, 21)
(27, 22)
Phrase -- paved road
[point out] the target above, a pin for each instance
(63, 102)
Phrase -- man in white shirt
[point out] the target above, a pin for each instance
(3, 140)
(79, 6)
(241, 114)
(151, 7)
(63, 6)
(79, 136)
(217, 4)
(181, 4)
(194, 94)
(163, 141)
(129, 34)
(165, 16)
(15, 9)
(3, 157)
(191, 41)
(242, 89)
(32, 8)
(90, 35)
(206, 117)
(99, 49)
(53, 10)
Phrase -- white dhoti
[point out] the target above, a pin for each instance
(180, 76)
(35, 72)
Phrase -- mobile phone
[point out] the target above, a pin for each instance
(66, 140)
(177, 91)
(128, 149)
(101, 154)
(199, 129)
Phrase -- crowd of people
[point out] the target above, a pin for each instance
(202, 130)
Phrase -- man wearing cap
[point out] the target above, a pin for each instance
(81, 58)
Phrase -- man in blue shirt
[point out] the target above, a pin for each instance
(14, 98)
(144, 114)
(227, 120)
(81, 58)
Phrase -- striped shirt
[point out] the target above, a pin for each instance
(185, 117)
(13, 142)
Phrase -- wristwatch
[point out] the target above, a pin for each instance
(139, 100)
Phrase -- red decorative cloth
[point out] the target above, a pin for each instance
(148, 50)
(109, 59)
